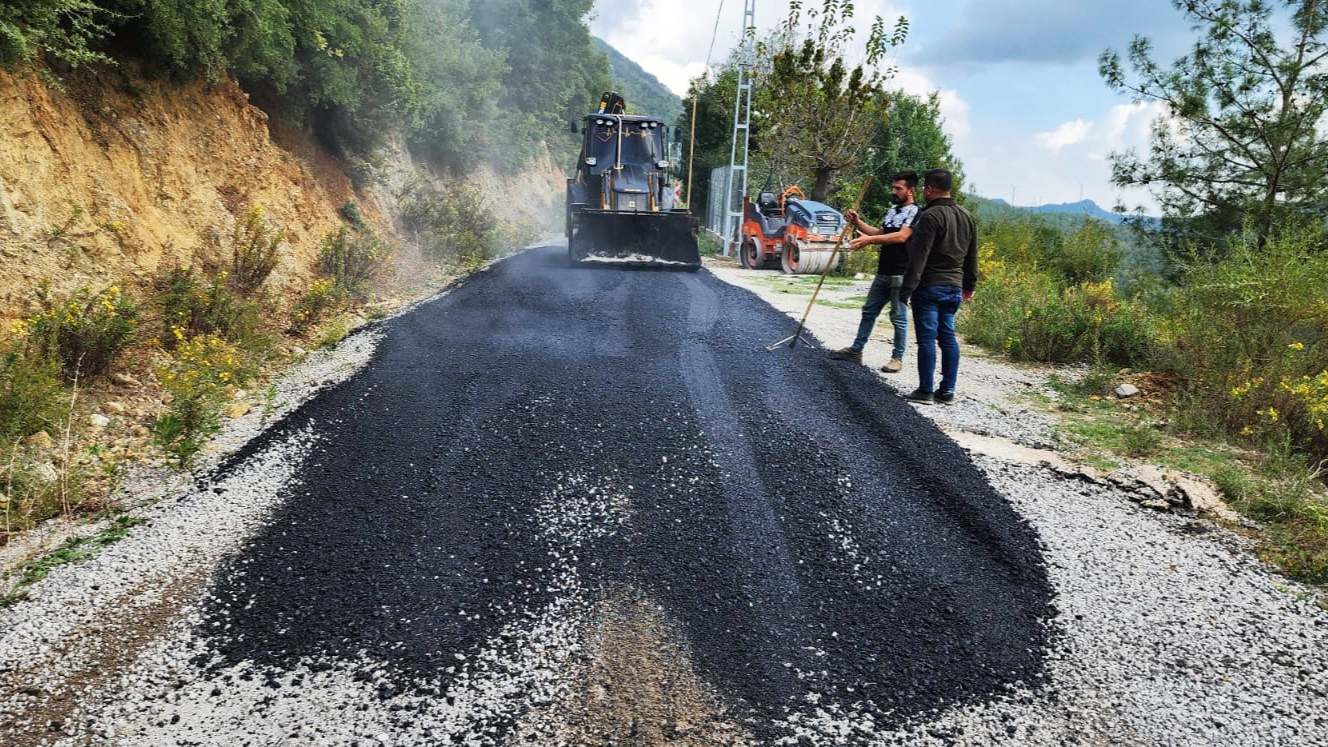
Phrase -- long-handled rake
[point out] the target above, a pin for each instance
(793, 339)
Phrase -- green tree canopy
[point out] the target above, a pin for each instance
(816, 109)
(712, 99)
(1239, 143)
(908, 137)
(462, 79)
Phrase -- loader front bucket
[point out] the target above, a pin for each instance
(663, 239)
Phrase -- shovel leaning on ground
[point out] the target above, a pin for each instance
(839, 245)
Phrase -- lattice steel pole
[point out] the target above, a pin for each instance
(742, 120)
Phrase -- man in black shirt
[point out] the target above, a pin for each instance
(942, 273)
(891, 237)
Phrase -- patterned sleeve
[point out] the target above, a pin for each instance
(907, 215)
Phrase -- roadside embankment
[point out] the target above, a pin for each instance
(167, 251)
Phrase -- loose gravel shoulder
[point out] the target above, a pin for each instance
(562, 506)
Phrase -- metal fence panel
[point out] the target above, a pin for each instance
(715, 207)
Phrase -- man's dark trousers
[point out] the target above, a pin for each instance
(934, 309)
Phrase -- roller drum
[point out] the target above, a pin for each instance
(810, 258)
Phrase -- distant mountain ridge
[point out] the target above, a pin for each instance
(1082, 207)
(643, 91)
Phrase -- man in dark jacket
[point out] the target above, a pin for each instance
(942, 272)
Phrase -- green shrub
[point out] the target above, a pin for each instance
(352, 260)
(314, 305)
(452, 224)
(31, 398)
(87, 331)
(334, 333)
(200, 380)
(1251, 336)
(1031, 314)
(1089, 255)
(709, 244)
(351, 212)
(192, 306)
(66, 30)
(32, 489)
(1140, 440)
(254, 251)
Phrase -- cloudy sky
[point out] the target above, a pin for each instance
(1030, 117)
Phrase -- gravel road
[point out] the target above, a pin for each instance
(585, 506)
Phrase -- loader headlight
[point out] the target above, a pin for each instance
(591, 161)
(661, 164)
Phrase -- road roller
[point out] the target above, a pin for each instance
(790, 232)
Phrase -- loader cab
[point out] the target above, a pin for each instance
(612, 142)
(620, 204)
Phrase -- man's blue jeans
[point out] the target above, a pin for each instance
(884, 289)
(934, 309)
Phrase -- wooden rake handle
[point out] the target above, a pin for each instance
(843, 235)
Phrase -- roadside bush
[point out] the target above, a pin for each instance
(31, 398)
(453, 223)
(1031, 315)
(1091, 254)
(1251, 332)
(314, 305)
(196, 306)
(200, 380)
(31, 490)
(254, 251)
(87, 331)
(351, 260)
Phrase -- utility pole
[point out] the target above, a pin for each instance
(742, 120)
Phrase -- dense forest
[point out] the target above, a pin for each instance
(463, 80)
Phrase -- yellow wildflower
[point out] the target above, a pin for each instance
(1297, 346)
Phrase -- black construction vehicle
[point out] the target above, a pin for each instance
(620, 206)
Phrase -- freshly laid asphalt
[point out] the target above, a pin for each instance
(804, 530)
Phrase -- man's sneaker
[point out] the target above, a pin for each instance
(848, 354)
(894, 366)
(921, 397)
(944, 398)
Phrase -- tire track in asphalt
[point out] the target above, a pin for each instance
(869, 495)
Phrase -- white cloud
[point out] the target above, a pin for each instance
(670, 39)
(953, 108)
(1070, 133)
(1128, 125)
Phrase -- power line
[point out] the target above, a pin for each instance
(705, 75)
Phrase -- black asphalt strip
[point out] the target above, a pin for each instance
(805, 530)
